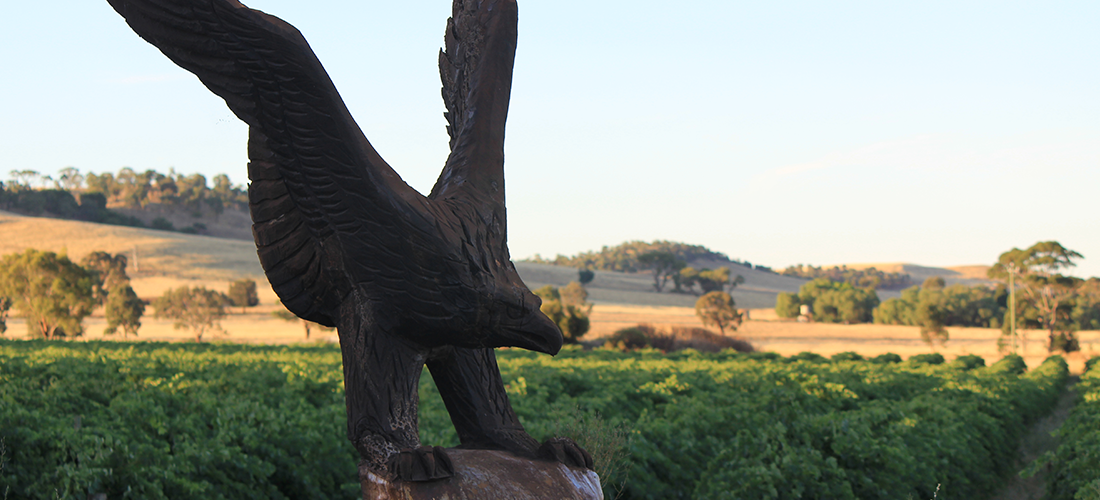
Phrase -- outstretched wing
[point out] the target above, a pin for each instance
(476, 69)
(327, 210)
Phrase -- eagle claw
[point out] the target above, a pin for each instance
(566, 451)
(423, 463)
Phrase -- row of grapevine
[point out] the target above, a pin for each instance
(744, 426)
(232, 421)
(1075, 465)
(162, 421)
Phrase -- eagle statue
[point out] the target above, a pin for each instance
(407, 280)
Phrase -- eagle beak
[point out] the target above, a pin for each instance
(537, 333)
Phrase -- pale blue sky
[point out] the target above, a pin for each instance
(940, 133)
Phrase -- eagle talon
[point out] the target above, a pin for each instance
(423, 463)
(566, 451)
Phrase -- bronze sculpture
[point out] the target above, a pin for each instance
(408, 280)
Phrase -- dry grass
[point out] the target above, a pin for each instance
(257, 326)
(766, 333)
(167, 260)
(159, 253)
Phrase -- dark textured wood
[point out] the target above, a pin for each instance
(406, 279)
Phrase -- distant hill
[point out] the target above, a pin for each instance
(164, 259)
(232, 223)
(167, 259)
(611, 287)
(967, 275)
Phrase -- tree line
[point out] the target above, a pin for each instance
(1031, 293)
(55, 295)
(860, 278)
(829, 301)
(626, 256)
(79, 196)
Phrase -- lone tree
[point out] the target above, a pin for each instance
(196, 308)
(124, 310)
(930, 315)
(663, 264)
(242, 294)
(122, 307)
(717, 309)
(54, 293)
(1035, 270)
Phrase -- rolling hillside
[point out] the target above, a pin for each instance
(758, 291)
(167, 259)
(164, 259)
(967, 275)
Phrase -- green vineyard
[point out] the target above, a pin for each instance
(147, 420)
(1075, 465)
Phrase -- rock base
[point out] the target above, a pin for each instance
(481, 474)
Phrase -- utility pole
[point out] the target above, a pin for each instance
(1012, 311)
(1012, 270)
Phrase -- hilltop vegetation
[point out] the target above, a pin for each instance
(859, 278)
(98, 197)
(625, 257)
(1046, 299)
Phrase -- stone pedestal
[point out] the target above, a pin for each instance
(484, 474)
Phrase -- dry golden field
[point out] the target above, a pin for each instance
(766, 332)
(762, 330)
(167, 259)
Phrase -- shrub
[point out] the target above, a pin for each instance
(1012, 363)
(812, 357)
(629, 338)
(677, 339)
(968, 362)
(704, 340)
(846, 356)
(934, 358)
(884, 359)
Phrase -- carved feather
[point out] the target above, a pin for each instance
(318, 185)
(476, 71)
(330, 217)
